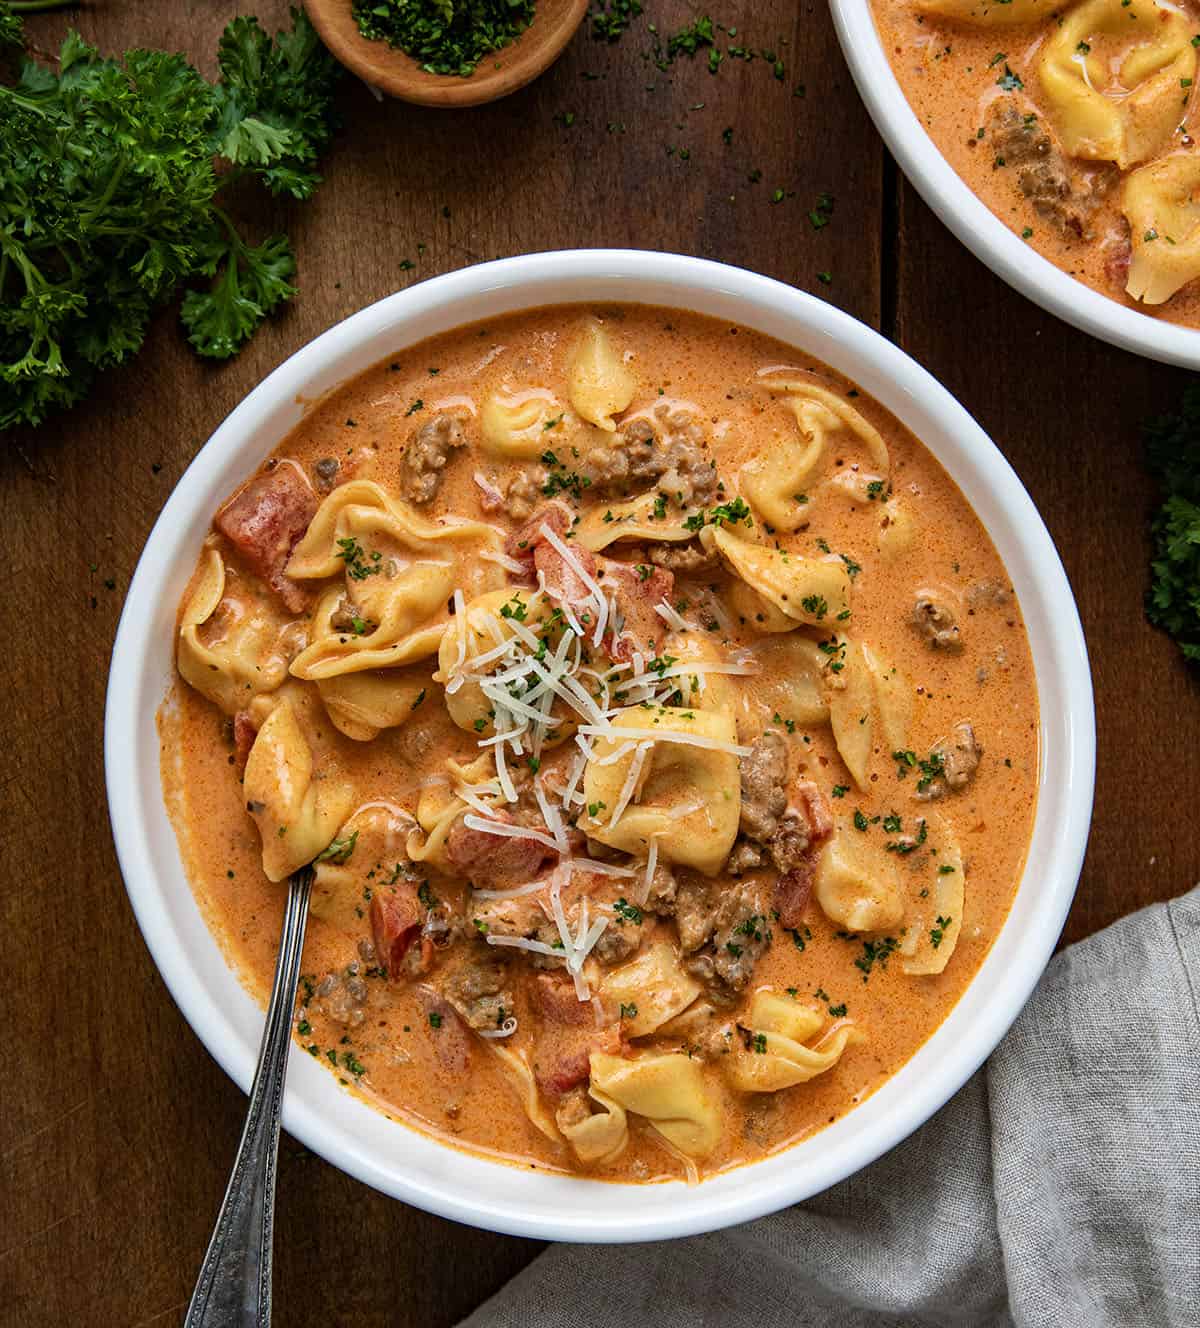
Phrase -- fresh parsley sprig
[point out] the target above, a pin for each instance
(108, 189)
(1173, 458)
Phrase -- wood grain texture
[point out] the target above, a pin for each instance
(116, 1129)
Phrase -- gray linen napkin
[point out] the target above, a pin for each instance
(1061, 1186)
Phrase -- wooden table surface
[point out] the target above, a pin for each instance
(116, 1128)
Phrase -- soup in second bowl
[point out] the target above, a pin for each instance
(1072, 120)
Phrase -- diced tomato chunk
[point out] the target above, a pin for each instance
(794, 886)
(806, 798)
(793, 890)
(563, 583)
(265, 521)
(493, 860)
(566, 1036)
(244, 732)
(635, 590)
(449, 1037)
(395, 925)
(521, 544)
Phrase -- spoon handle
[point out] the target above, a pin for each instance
(234, 1286)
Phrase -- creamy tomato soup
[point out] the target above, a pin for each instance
(1073, 122)
(659, 719)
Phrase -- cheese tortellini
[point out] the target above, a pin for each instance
(439, 806)
(856, 882)
(807, 591)
(600, 1136)
(936, 911)
(1112, 73)
(297, 810)
(514, 427)
(653, 986)
(1161, 204)
(777, 1049)
(669, 1091)
(867, 695)
(400, 572)
(779, 482)
(487, 623)
(599, 382)
(362, 705)
(639, 518)
(791, 683)
(519, 1074)
(374, 834)
(685, 797)
(229, 651)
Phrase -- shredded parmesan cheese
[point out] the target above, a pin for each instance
(673, 735)
(631, 781)
(507, 831)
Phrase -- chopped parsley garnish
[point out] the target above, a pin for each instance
(1009, 81)
(754, 926)
(875, 952)
(860, 820)
(627, 912)
(339, 850)
(426, 896)
(443, 37)
(939, 931)
(931, 767)
(906, 846)
(629, 1011)
(435, 1019)
(840, 790)
(562, 480)
(359, 564)
(817, 605)
(732, 512)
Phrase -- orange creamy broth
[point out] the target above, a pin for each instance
(690, 359)
(949, 71)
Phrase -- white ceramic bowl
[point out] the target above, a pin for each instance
(401, 1161)
(988, 238)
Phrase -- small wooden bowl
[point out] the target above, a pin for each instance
(399, 75)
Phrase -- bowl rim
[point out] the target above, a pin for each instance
(974, 223)
(401, 1161)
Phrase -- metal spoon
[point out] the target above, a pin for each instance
(234, 1286)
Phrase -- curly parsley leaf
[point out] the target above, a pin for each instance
(1173, 458)
(251, 282)
(108, 200)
